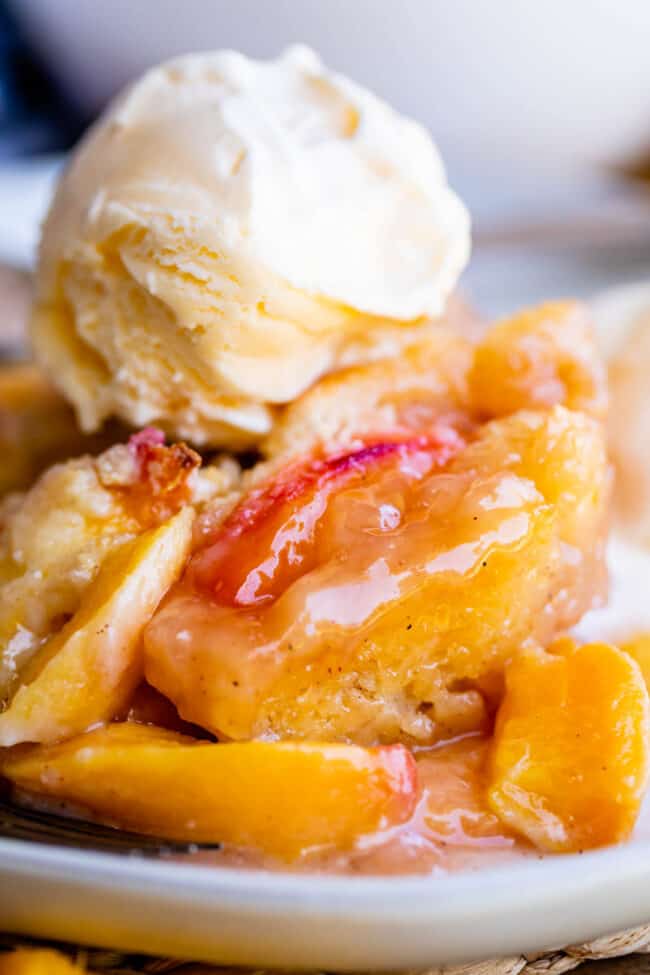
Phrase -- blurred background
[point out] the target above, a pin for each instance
(541, 111)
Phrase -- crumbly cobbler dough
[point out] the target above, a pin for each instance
(54, 538)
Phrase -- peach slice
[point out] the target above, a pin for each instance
(38, 427)
(85, 673)
(280, 797)
(542, 357)
(564, 453)
(569, 762)
(272, 537)
(38, 961)
(638, 647)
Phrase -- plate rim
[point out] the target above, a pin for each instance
(297, 889)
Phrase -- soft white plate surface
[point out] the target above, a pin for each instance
(276, 920)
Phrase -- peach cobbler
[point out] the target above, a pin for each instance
(354, 642)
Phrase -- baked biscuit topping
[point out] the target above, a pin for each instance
(54, 539)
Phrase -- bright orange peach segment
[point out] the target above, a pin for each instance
(541, 357)
(38, 961)
(569, 763)
(638, 647)
(87, 672)
(564, 454)
(280, 797)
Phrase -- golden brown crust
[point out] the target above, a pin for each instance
(428, 380)
(459, 373)
(54, 538)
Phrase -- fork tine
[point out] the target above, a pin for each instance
(22, 823)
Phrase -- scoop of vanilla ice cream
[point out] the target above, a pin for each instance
(229, 231)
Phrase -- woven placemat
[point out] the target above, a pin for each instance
(628, 947)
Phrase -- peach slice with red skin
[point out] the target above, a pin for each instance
(367, 598)
(279, 797)
(283, 519)
(85, 673)
(570, 758)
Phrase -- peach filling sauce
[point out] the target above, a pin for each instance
(373, 596)
(369, 663)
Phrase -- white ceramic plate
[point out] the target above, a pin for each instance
(312, 922)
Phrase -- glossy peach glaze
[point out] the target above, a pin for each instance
(368, 596)
(394, 584)
(540, 357)
(289, 517)
(317, 806)
(452, 827)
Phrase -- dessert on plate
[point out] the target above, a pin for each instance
(331, 602)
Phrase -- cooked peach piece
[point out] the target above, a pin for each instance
(370, 596)
(564, 454)
(280, 797)
(638, 647)
(38, 961)
(38, 427)
(569, 763)
(85, 673)
(286, 519)
(541, 357)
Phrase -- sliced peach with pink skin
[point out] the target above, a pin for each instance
(38, 961)
(85, 673)
(367, 596)
(279, 797)
(569, 762)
